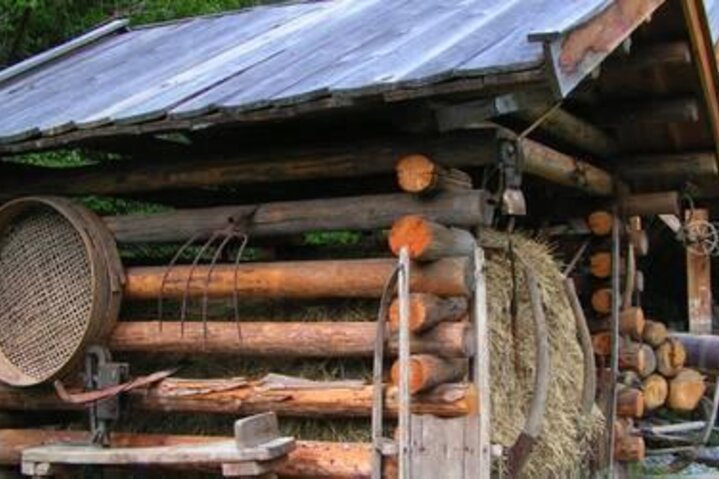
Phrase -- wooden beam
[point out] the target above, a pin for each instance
(650, 204)
(279, 339)
(702, 350)
(289, 397)
(675, 166)
(699, 283)
(656, 54)
(363, 278)
(467, 208)
(675, 110)
(575, 131)
(254, 167)
(563, 169)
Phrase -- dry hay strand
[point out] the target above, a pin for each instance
(567, 437)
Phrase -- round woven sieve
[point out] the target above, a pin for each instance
(60, 287)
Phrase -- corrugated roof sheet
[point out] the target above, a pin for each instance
(279, 55)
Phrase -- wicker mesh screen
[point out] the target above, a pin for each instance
(46, 292)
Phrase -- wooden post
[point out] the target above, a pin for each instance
(428, 241)
(297, 279)
(481, 364)
(420, 175)
(699, 286)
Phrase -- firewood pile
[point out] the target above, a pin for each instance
(654, 387)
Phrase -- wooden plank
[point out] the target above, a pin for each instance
(405, 398)
(481, 373)
(61, 50)
(254, 431)
(580, 48)
(699, 286)
(217, 453)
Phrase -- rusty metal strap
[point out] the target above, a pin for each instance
(90, 397)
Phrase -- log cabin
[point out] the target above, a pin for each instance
(419, 122)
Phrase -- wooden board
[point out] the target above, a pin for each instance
(699, 291)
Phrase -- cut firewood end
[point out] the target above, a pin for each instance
(418, 174)
(600, 265)
(428, 310)
(630, 402)
(656, 390)
(429, 241)
(602, 301)
(671, 357)
(686, 390)
(655, 333)
(600, 223)
(427, 371)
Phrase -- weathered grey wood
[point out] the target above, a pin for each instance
(575, 131)
(254, 431)
(438, 447)
(54, 53)
(482, 371)
(669, 166)
(405, 397)
(253, 167)
(217, 453)
(272, 219)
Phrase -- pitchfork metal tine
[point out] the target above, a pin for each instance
(229, 235)
(185, 294)
(235, 293)
(174, 260)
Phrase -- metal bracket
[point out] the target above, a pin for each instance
(101, 373)
(512, 199)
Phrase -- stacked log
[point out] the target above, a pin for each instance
(429, 243)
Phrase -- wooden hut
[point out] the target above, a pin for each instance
(433, 119)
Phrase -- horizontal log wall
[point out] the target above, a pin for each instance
(238, 397)
(465, 208)
(272, 339)
(364, 278)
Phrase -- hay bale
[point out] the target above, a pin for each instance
(567, 437)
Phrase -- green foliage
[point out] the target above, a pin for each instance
(55, 159)
(30, 26)
(329, 238)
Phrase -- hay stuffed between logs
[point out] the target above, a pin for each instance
(566, 438)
